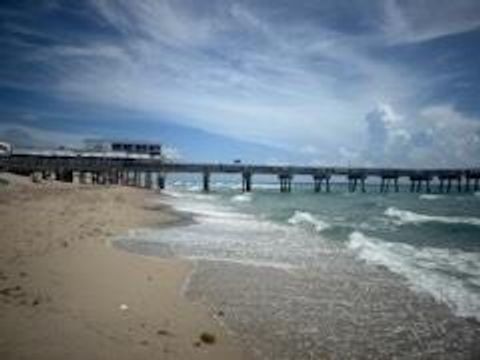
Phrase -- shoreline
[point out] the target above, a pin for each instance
(350, 293)
(67, 291)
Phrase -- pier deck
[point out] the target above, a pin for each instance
(84, 167)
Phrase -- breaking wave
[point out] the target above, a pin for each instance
(450, 276)
(410, 217)
(305, 218)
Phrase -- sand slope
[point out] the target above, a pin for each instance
(62, 286)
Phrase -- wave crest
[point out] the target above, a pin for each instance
(410, 217)
(447, 275)
(305, 218)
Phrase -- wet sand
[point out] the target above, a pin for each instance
(325, 305)
(65, 292)
(341, 311)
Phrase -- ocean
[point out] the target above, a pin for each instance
(337, 275)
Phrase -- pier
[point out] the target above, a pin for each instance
(152, 172)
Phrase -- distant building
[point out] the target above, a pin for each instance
(129, 147)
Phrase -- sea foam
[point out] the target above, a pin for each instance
(306, 218)
(450, 276)
(242, 198)
(430, 197)
(410, 217)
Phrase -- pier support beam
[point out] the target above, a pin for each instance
(64, 175)
(318, 180)
(353, 180)
(148, 180)
(86, 177)
(352, 184)
(141, 179)
(419, 185)
(100, 178)
(113, 177)
(160, 181)
(134, 178)
(206, 181)
(417, 180)
(317, 184)
(120, 176)
(385, 184)
(285, 182)
(247, 182)
(124, 177)
(36, 176)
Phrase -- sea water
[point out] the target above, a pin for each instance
(331, 275)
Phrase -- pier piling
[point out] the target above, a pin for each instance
(206, 181)
(161, 182)
(285, 182)
(246, 182)
(318, 180)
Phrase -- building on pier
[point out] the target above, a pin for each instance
(123, 146)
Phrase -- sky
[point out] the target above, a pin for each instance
(332, 82)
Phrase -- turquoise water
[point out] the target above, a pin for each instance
(356, 270)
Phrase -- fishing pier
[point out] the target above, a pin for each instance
(152, 172)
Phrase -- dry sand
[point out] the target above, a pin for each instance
(63, 286)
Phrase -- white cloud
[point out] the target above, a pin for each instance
(172, 153)
(387, 135)
(439, 136)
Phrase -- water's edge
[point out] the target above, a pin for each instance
(221, 286)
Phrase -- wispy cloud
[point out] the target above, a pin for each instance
(414, 21)
(244, 76)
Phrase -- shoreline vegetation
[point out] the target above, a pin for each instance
(66, 292)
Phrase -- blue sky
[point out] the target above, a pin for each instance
(362, 83)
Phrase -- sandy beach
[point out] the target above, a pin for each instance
(65, 292)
